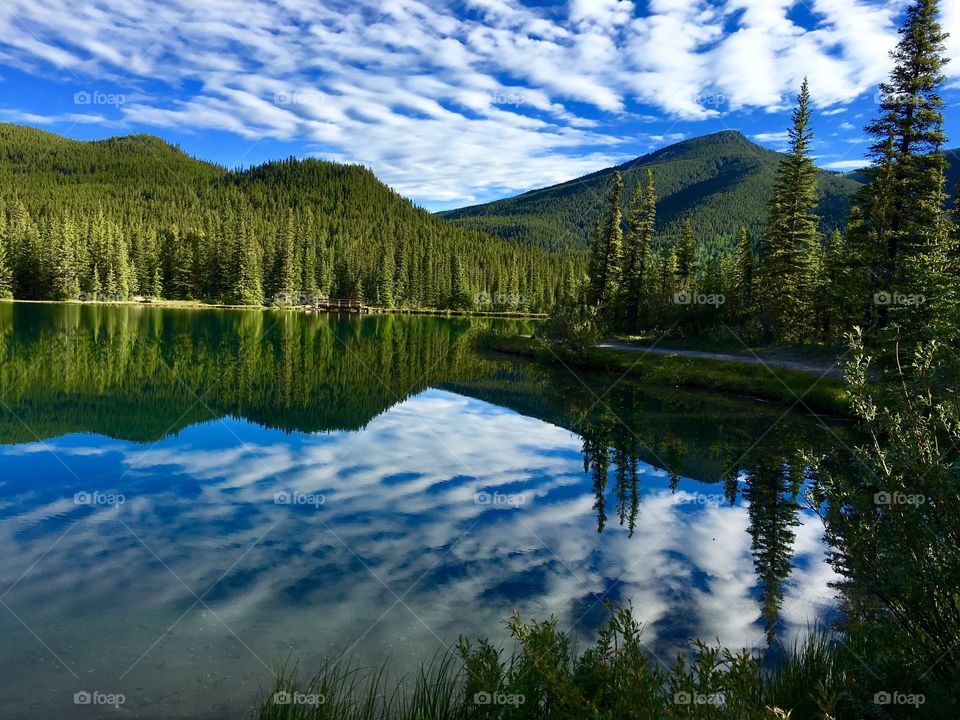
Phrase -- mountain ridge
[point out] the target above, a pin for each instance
(721, 182)
(135, 215)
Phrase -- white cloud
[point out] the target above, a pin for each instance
(845, 165)
(447, 107)
(772, 137)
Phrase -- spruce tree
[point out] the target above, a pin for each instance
(641, 225)
(6, 274)
(249, 288)
(904, 203)
(744, 268)
(686, 256)
(606, 256)
(791, 245)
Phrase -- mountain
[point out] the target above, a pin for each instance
(135, 215)
(953, 173)
(720, 182)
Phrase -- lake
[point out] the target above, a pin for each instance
(190, 498)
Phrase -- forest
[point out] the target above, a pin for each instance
(134, 216)
(893, 269)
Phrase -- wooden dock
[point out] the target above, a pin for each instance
(341, 305)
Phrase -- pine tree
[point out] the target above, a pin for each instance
(686, 257)
(462, 298)
(904, 204)
(384, 290)
(831, 293)
(249, 288)
(641, 225)
(744, 274)
(66, 266)
(606, 256)
(788, 258)
(6, 274)
(284, 283)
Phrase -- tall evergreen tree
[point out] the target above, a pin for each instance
(606, 255)
(6, 273)
(791, 246)
(745, 262)
(248, 288)
(686, 256)
(905, 222)
(641, 225)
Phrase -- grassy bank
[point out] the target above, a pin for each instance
(787, 387)
(543, 678)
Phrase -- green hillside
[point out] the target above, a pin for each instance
(135, 215)
(720, 182)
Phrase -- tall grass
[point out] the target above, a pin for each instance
(542, 678)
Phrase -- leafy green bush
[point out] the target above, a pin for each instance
(576, 328)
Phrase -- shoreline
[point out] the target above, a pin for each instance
(199, 305)
(801, 390)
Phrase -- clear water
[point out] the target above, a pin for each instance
(188, 499)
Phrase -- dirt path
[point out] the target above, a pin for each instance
(822, 367)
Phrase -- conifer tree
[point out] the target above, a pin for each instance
(606, 257)
(686, 256)
(641, 225)
(6, 274)
(904, 204)
(462, 299)
(66, 266)
(744, 270)
(385, 273)
(788, 259)
(248, 289)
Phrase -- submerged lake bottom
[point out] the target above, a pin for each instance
(191, 499)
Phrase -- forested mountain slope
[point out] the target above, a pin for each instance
(720, 182)
(135, 215)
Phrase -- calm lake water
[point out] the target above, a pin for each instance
(189, 498)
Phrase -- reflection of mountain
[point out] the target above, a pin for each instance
(143, 373)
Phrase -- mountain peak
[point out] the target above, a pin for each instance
(720, 182)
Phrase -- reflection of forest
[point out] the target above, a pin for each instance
(141, 373)
(749, 450)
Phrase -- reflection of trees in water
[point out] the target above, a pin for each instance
(769, 473)
(141, 373)
(772, 487)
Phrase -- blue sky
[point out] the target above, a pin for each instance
(457, 102)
